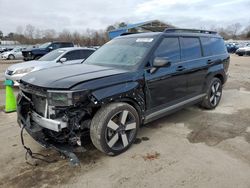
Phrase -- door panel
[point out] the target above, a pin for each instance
(191, 53)
(166, 85)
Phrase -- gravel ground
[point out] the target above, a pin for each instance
(191, 148)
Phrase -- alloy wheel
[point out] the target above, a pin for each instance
(216, 92)
(121, 130)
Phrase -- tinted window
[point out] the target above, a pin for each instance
(63, 45)
(84, 54)
(190, 48)
(170, 48)
(72, 55)
(52, 55)
(213, 46)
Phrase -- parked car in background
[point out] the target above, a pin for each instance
(5, 49)
(130, 81)
(36, 53)
(16, 53)
(62, 56)
(243, 51)
(231, 48)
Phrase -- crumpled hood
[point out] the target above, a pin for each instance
(67, 76)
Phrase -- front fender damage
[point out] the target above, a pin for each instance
(126, 92)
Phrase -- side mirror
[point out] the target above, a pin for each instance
(161, 62)
(62, 60)
(50, 48)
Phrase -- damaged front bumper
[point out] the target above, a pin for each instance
(35, 130)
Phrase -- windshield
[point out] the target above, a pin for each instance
(45, 45)
(16, 49)
(52, 55)
(121, 52)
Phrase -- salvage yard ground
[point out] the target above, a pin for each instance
(191, 148)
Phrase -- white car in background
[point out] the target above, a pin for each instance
(59, 57)
(243, 50)
(15, 53)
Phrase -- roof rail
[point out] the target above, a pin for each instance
(178, 30)
(129, 33)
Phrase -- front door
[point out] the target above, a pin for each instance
(167, 85)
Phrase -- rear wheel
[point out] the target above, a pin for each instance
(214, 93)
(11, 57)
(114, 128)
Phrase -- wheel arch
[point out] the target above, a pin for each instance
(221, 77)
(11, 55)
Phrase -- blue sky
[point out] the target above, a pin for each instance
(98, 14)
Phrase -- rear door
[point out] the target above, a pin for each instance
(167, 85)
(192, 56)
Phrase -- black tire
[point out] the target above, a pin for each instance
(37, 57)
(11, 57)
(114, 128)
(214, 94)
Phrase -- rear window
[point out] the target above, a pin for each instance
(190, 48)
(63, 45)
(213, 46)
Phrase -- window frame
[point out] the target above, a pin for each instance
(212, 52)
(201, 49)
(160, 42)
(72, 51)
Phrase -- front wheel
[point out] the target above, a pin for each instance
(214, 93)
(37, 57)
(11, 57)
(114, 128)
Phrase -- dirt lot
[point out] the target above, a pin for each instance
(191, 148)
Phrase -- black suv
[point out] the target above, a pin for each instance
(130, 81)
(36, 53)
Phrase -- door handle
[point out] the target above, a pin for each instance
(209, 62)
(180, 68)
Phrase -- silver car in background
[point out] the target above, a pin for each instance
(15, 53)
(59, 57)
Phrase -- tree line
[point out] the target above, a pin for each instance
(32, 35)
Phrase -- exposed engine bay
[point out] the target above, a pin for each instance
(65, 128)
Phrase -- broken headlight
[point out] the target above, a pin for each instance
(65, 98)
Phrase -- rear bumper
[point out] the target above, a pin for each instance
(28, 56)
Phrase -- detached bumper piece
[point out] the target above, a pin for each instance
(48, 123)
(35, 131)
